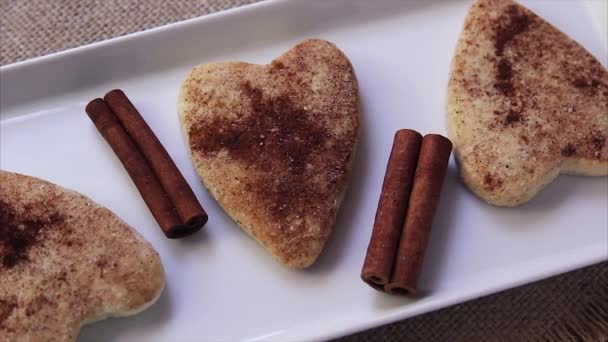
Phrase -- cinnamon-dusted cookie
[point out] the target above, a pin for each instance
(66, 261)
(525, 103)
(274, 143)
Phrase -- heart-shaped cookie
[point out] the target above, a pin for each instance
(66, 261)
(525, 103)
(274, 143)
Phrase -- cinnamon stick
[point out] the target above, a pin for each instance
(424, 199)
(177, 189)
(140, 172)
(391, 210)
(161, 185)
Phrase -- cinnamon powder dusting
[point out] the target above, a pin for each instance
(579, 83)
(7, 305)
(18, 234)
(591, 86)
(491, 183)
(284, 142)
(513, 117)
(569, 150)
(509, 26)
(504, 78)
(598, 140)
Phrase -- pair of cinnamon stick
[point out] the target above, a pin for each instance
(157, 178)
(408, 201)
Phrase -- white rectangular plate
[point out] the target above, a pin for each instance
(220, 284)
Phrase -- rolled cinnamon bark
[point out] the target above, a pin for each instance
(177, 189)
(133, 161)
(424, 199)
(391, 208)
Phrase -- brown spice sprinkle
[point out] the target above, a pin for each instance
(492, 183)
(277, 135)
(590, 86)
(509, 26)
(580, 83)
(513, 117)
(598, 140)
(569, 150)
(504, 78)
(583, 83)
(18, 233)
(7, 306)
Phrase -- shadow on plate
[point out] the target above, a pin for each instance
(565, 187)
(553, 198)
(112, 328)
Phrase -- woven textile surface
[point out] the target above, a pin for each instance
(569, 307)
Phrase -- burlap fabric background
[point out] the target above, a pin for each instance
(570, 307)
